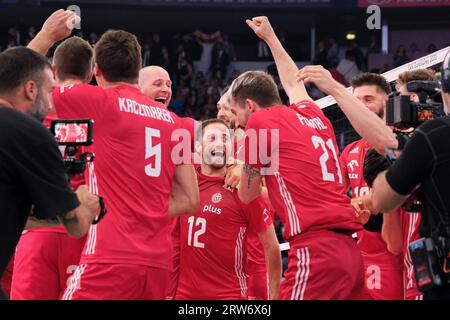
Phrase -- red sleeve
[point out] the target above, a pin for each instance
(80, 101)
(257, 150)
(258, 214)
(343, 162)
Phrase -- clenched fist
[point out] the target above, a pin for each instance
(262, 27)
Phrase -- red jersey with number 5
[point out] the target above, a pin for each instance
(133, 171)
(213, 243)
(302, 170)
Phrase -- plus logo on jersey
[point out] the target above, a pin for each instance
(212, 209)
(216, 197)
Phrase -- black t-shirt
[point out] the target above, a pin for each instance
(31, 174)
(426, 161)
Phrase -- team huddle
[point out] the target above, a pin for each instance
(191, 206)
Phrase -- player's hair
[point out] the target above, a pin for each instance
(118, 56)
(368, 78)
(224, 90)
(204, 124)
(73, 59)
(19, 65)
(257, 86)
(419, 74)
(374, 163)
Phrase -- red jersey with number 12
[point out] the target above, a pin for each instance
(214, 242)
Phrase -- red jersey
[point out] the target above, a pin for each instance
(133, 171)
(306, 185)
(214, 243)
(410, 230)
(382, 268)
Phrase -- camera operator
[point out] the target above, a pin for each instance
(424, 163)
(32, 174)
(50, 249)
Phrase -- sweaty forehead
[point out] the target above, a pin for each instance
(215, 129)
(154, 74)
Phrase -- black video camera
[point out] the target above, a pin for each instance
(431, 261)
(73, 134)
(402, 113)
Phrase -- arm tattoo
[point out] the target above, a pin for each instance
(251, 173)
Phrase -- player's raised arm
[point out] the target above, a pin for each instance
(287, 69)
(185, 196)
(366, 123)
(57, 27)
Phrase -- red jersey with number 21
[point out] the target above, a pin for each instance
(306, 189)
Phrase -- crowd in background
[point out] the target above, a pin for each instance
(197, 88)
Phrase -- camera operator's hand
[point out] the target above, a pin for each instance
(320, 77)
(57, 27)
(88, 200)
(262, 28)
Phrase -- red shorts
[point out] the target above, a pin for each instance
(43, 263)
(117, 282)
(383, 271)
(323, 265)
(7, 278)
(258, 286)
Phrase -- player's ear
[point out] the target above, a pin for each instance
(97, 71)
(250, 105)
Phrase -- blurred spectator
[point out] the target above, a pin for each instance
(220, 60)
(207, 43)
(263, 50)
(414, 52)
(31, 33)
(156, 51)
(228, 47)
(333, 52)
(337, 75)
(356, 52)
(400, 56)
(177, 104)
(209, 110)
(166, 62)
(14, 36)
(347, 66)
(373, 47)
(185, 73)
(146, 54)
(321, 55)
(93, 38)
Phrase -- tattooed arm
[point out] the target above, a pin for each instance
(250, 186)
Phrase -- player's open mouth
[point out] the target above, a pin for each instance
(161, 100)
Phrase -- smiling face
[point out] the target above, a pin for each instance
(215, 145)
(155, 83)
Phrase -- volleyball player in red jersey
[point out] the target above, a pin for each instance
(134, 172)
(303, 178)
(214, 241)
